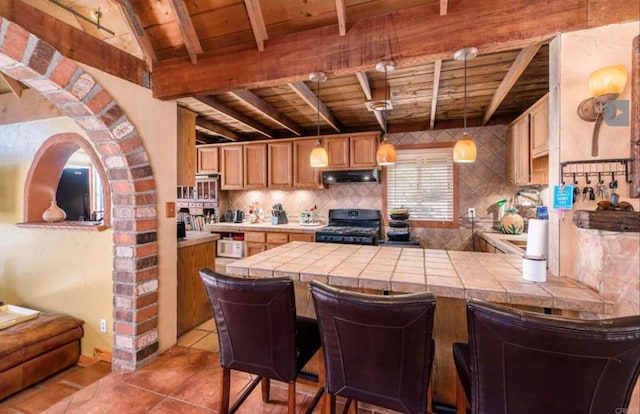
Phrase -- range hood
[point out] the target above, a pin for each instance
(350, 176)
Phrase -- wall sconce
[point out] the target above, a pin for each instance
(605, 84)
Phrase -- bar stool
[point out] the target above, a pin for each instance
(259, 333)
(377, 349)
(530, 363)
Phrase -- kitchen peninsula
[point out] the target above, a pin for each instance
(452, 276)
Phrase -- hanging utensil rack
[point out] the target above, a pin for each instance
(597, 170)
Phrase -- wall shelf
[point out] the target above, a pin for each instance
(597, 171)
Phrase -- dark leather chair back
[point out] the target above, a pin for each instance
(528, 363)
(377, 349)
(255, 319)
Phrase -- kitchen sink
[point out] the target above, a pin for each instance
(518, 243)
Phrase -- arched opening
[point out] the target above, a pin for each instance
(46, 169)
(129, 179)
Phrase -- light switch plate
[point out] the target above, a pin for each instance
(171, 209)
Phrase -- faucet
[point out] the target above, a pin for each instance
(529, 192)
(94, 215)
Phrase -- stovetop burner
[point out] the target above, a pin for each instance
(353, 226)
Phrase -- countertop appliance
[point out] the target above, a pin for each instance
(230, 248)
(352, 226)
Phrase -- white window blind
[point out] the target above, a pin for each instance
(422, 181)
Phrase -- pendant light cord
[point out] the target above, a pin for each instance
(465, 91)
(386, 101)
(318, 111)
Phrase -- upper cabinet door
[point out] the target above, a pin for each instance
(539, 127)
(280, 165)
(232, 161)
(338, 151)
(363, 151)
(255, 166)
(304, 175)
(186, 151)
(207, 160)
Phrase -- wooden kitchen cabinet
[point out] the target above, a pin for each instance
(305, 237)
(362, 151)
(539, 127)
(193, 304)
(255, 166)
(255, 242)
(259, 241)
(186, 150)
(231, 167)
(280, 163)
(304, 175)
(338, 151)
(518, 160)
(207, 159)
(276, 239)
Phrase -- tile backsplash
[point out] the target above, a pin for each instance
(481, 185)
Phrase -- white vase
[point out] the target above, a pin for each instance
(54, 213)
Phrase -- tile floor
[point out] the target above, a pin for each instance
(182, 380)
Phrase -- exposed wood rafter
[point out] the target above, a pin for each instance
(510, 79)
(267, 110)
(310, 98)
(437, 69)
(216, 129)
(443, 7)
(366, 88)
(232, 113)
(257, 22)
(15, 86)
(189, 35)
(143, 41)
(341, 11)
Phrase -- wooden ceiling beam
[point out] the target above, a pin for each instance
(74, 43)
(232, 113)
(409, 37)
(257, 22)
(188, 32)
(144, 43)
(437, 69)
(16, 86)
(216, 129)
(515, 71)
(341, 11)
(311, 99)
(366, 88)
(443, 8)
(267, 110)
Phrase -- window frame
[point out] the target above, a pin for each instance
(423, 223)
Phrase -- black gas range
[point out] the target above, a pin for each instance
(352, 226)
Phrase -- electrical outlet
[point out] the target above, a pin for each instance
(471, 212)
(103, 325)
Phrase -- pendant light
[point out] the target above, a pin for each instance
(319, 157)
(386, 154)
(465, 149)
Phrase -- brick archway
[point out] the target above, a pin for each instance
(37, 64)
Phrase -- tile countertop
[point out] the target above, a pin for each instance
(455, 274)
(291, 227)
(197, 237)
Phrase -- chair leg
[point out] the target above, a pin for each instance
(429, 399)
(266, 384)
(225, 386)
(292, 398)
(461, 398)
(329, 403)
(351, 407)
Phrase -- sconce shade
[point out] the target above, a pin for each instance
(319, 157)
(609, 80)
(465, 149)
(386, 154)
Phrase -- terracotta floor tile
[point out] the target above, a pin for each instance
(171, 406)
(203, 388)
(209, 325)
(192, 337)
(81, 377)
(208, 343)
(45, 397)
(119, 398)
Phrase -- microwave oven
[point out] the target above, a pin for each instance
(230, 248)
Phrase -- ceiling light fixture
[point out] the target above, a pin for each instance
(319, 157)
(97, 14)
(386, 154)
(605, 84)
(465, 149)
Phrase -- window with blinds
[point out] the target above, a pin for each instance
(422, 180)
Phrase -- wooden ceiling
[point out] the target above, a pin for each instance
(243, 65)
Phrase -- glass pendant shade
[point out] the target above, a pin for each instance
(319, 157)
(386, 154)
(465, 149)
(609, 80)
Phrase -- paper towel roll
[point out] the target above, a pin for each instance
(537, 238)
(534, 269)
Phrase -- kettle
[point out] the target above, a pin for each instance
(238, 216)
